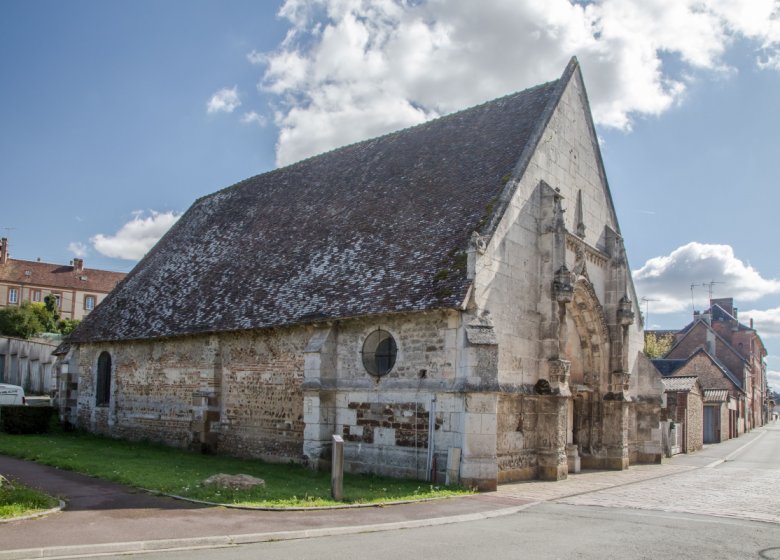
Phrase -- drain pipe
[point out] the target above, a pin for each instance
(431, 463)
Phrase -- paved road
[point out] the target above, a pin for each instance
(544, 532)
(745, 487)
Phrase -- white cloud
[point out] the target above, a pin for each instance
(254, 117)
(225, 100)
(350, 69)
(773, 380)
(765, 321)
(134, 239)
(78, 248)
(668, 279)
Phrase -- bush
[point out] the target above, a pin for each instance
(26, 419)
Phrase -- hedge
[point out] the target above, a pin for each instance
(16, 419)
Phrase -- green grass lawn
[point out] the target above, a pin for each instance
(175, 471)
(17, 500)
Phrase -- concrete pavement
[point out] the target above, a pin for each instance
(103, 517)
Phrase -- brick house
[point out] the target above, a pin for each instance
(78, 290)
(416, 293)
(726, 355)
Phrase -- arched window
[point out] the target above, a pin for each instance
(103, 389)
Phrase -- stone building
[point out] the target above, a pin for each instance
(684, 404)
(451, 297)
(78, 290)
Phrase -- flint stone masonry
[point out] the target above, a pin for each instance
(499, 272)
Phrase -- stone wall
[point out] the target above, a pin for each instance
(694, 422)
(513, 275)
(388, 423)
(237, 393)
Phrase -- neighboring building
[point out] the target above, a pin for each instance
(422, 294)
(28, 363)
(77, 289)
(725, 355)
(685, 408)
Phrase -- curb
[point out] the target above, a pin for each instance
(82, 551)
(59, 508)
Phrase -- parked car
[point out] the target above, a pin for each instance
(11, 394)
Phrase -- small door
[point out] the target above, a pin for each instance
(711, 424)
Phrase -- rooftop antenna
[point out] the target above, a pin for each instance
(693, 307)
(647, 301)
(710, 284)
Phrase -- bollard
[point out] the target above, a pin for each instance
(337, 469)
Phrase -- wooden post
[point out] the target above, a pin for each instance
(337, 469)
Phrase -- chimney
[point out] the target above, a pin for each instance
(78, 265)
(726, 303)
(3, 250)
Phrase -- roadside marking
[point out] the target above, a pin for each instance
(730, 456)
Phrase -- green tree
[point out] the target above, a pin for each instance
(50, 302)
(21, 322)
(657, 346)
(30, 319)
(47, 320)
(66, 326)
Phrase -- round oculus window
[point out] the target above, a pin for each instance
(379, 353)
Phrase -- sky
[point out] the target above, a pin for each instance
(116, 116)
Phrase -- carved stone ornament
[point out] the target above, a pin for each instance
(579, 262)
(579, 223)
(625, 311)
(479, 243)
(563, 285)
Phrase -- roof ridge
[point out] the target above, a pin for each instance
(505, 197)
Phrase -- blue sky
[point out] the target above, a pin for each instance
(116, 116)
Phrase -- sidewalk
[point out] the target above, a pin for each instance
(103, 517)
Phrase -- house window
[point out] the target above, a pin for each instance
(103, 386)
(13, 295)
(36, 296)
(379, 353)
(89, 303)
(58, 298)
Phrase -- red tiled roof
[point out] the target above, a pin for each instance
(66, 277)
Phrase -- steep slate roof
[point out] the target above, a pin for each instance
(668, 367)
(55, 276)
(689, 328)
(376, 227)
(721, 366)
(679, 383)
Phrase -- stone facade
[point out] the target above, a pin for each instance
(535, 372)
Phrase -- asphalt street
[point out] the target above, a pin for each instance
(721, 502)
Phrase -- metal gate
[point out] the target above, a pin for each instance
(676, 437)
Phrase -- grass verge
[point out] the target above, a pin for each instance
(176, 471)
(17, 500)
